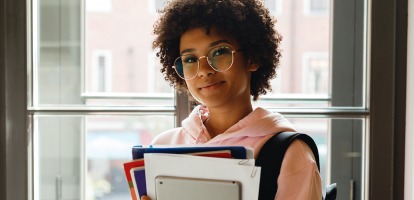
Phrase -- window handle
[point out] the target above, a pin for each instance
(58, 187)
(351, 190)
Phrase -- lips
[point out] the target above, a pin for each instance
(209, 86)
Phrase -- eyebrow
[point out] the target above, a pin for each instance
(215, 43)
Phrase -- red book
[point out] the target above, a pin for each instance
(127, 168)
(215, 154)
(140, 163)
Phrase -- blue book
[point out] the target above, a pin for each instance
(138, 179)
(237, 152)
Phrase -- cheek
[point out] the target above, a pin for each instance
(240, 73)
(241, 79)
(193, 92)
(191, 88)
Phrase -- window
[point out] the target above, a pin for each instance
(100, 6)
(156, 5)
(22, 49)
(75, 104)
(154, 71)
(291, 83)
(316, 7)
(274, 6)
(102, 71)
(316, 73)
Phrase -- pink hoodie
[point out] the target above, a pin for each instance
(299, 177)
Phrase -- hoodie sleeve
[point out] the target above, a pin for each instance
(299, 176)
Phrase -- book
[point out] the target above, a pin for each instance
(215, 154)
(237, 152)
(135, 169)
(127, 169)
(138, 180)
(138, 173)
(197, 167)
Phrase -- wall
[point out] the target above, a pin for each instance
(409, 149)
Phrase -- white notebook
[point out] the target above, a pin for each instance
(178, 165)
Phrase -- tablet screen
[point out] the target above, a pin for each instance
(179, 188)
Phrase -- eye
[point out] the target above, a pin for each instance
(189, 59)
(224, 50)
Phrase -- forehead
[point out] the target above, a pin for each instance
(198, 39)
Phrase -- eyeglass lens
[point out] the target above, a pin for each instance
(219, 58)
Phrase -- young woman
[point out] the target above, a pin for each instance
(223, 53)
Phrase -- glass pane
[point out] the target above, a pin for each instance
(100, 57)
(81, 157)
(304, 66)
(57, 51)
(76, 154)
(119, 59)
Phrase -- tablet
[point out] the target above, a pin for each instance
(179, 188)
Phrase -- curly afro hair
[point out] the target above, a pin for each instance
(248, 21)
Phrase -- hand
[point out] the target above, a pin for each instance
(145, 197)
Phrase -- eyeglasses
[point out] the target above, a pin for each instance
(219, 58)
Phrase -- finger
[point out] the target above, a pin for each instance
(145, 198)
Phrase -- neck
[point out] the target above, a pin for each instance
(221, 119)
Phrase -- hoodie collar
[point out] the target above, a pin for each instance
(258, 123)
(194, 125)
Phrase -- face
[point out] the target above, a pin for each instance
(216, 88)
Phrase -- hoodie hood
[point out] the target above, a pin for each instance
(259, 123)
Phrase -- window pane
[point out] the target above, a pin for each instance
(323, 55)
(124, 34)
(85, 153)
(113, 64)
(102, 56)
(57, 53)
(304, 66)
(318, 6)
(275, 6)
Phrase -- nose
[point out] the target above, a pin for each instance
(205, 69)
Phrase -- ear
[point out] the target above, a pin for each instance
(253, 66)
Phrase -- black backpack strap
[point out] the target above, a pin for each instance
(270, 160)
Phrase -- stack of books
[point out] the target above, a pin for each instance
(154, 163)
